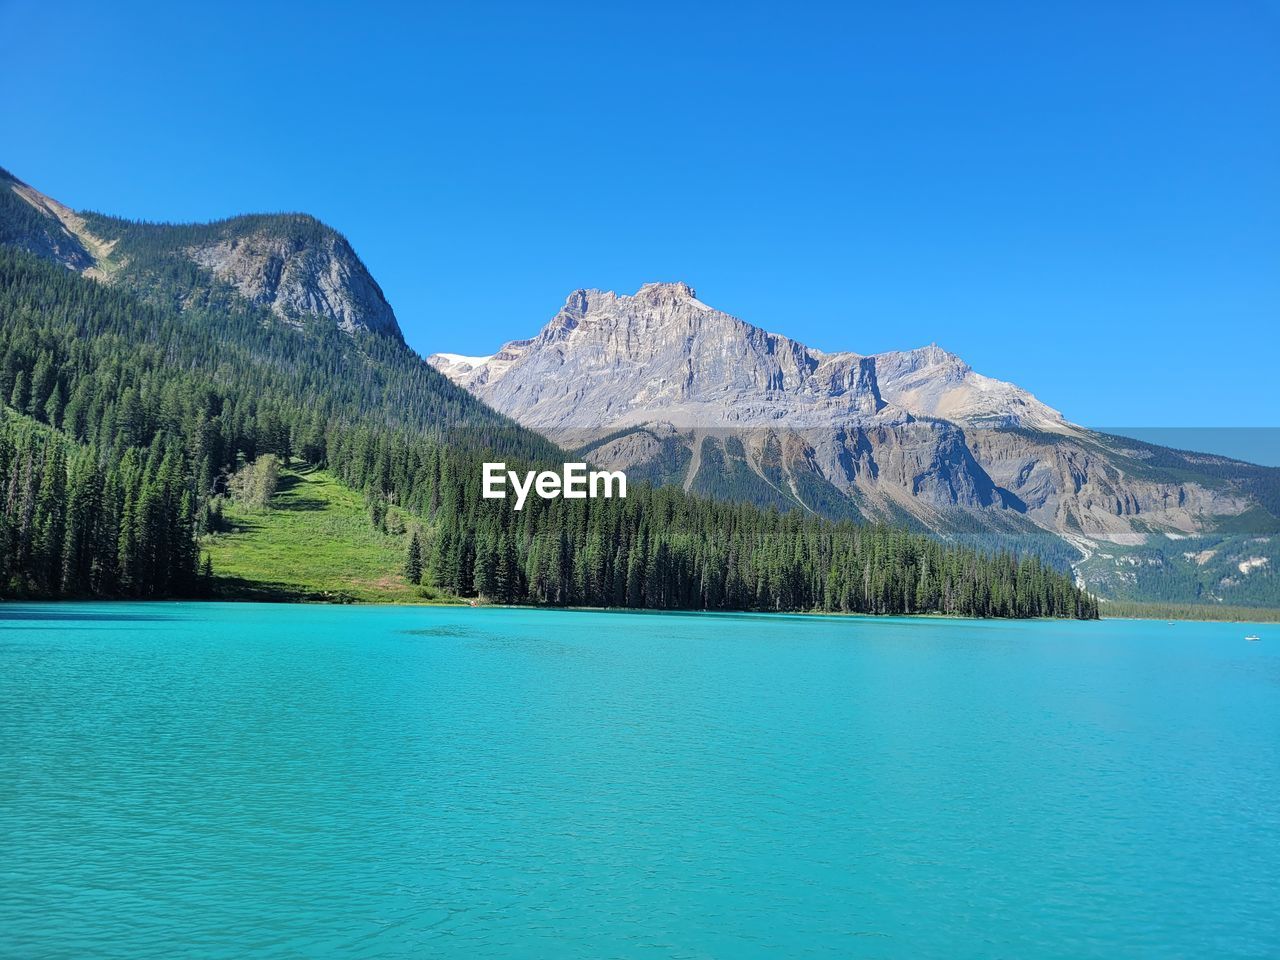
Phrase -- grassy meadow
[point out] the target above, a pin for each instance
(314, 542)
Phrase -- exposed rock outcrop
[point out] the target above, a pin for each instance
(298, 268)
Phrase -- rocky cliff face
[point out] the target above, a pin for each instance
(930, 382)
(662, 383)
(618, 361)
(291, 264)
(298, 268)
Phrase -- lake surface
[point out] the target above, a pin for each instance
(224, 780)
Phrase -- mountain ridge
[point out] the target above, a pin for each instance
(800, 369)
(293, 264)
(647, 381)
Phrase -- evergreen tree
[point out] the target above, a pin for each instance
(413, 562)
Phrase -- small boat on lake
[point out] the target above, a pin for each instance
(1253, 636)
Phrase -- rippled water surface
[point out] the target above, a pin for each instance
(274, 781)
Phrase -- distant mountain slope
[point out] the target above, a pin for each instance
(1213, 569)
(666, 385)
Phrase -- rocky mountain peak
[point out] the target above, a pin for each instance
(657, 292)
(581, 303)
(661, 382)
(933, 356)
(661, 354)
(297, 267)
(933, 382)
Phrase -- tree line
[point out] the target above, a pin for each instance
(661, 548)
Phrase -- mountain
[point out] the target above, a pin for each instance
(161, 385)
(930, 382)
(291, 264)
(662, 384)
(280, 299)
(31, 221)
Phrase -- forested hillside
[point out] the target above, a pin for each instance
(665, 549)
(79, 522)
(132, 404)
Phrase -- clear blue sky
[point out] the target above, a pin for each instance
(1080, 197)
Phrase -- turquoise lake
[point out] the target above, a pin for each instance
(236, 780)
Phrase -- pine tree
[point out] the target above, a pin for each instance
(413, 562)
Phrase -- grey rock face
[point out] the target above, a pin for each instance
(662, 355)
(1078, 485)
(930, 382)
(299, 276)
(914, 432)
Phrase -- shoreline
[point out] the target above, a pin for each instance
(1267, 618)
(1274, 620)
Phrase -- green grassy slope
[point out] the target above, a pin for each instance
(315, 542)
